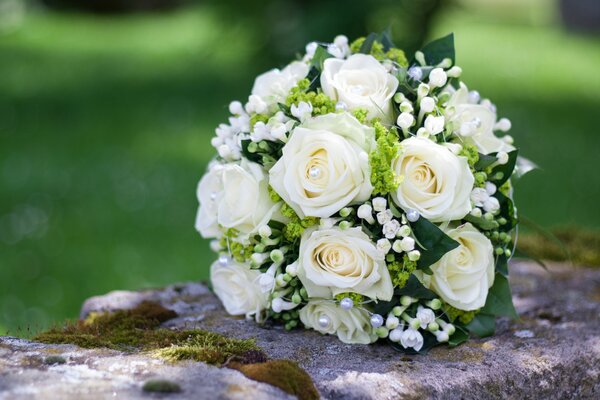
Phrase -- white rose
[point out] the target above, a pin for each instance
(234, 196)
(334, 261)
(236, 285)
(437, 183)
(351, 326)
(325, 165)
(274, 86)
(360, 82)
(474, 122)
(463, 276)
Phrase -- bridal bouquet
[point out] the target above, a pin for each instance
(366, 195)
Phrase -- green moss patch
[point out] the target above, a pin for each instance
(161, 386)
(139, 329)
(284, 374)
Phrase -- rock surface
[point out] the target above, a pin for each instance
(553, 352)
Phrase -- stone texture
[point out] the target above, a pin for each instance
(553, 352)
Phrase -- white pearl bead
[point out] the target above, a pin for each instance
(412, 215)
(346, 303)
(324, 321)
(314, 172)
(213, 195)
(376, 321)
(341, 106)
(223, 260)
(474, 96)
(415, 73)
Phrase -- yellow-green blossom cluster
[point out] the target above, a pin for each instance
(400, 271)
(239, 252)
(471, 153)
(254, 118)
(383, 178)
(355, 297)
(296, 225)
(454, 314)
(394, 54)
(320, 102)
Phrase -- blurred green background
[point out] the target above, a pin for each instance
(106, 117)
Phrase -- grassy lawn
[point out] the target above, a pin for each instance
(105, 127)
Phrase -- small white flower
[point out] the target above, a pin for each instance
(326, 223)
(397, 246)
(437, 77)
(379, 204)
(490, 188)
(476, 212)
(412, 338)
(423, 90)
(310, 49)
(384, 217)
(339, 48)
(391, 228)
(301, 111)
(434, 125)
(365, 212)
(425, 316)
(406, 106)
(256, 105)
(407, 244)
(414, 255)
(427, 104)
(395, 335)
(384, 246)
(479, 196)
(236, 108)
(405, 120)
(491, 205)
(415, 73)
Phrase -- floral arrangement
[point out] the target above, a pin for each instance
(364, 195)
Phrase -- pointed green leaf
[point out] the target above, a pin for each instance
(433, 242)
(499, 300)
(436, 51)
(506, 169)
(482, 325)
(414, 288)
(458, 337)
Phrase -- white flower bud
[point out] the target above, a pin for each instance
(491, 205)
(490, 188)
(422, 132)
(454, 72)
(404, 231)
(379, 204)
(508, 139)
(224, 151)
(405, 121)
(479, 196)
(476, 212)
(264, 231)
(392, 322)
(434, 125)
(420, 57)
(395, 335)
(437, 77)
(422, 90)
(503, 125)
(302, 111)
(278, 305)
(407, 244)
(384, 246)
(311, 48)
(427, 104)
(236, 108)
(291, 269)
(406, 106)
(502, 157)
(414, 255)
(365, 212)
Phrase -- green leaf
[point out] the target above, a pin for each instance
(395, 211)
(386, 39)
(481, 222)
(415, 289)
(484, 161)
(507, 210)
(319, 58)
(499, 300)
(433, 242)
(502, 265)
(458, 337)
(483, 325)
(436, 51)
(368, 43)
(506, 169)
(257, 158)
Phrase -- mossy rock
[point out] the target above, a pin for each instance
(161, 386)
(284, 374)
